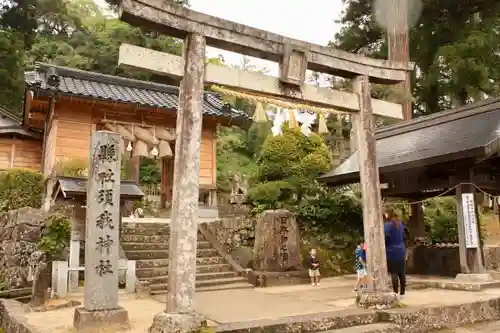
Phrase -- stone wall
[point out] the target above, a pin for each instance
(11, 318)
(20, 231)
(234, 229)
(235, 232)
(444, 260)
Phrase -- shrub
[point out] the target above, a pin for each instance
(74, 167)
(21, 188)
(56, 235)
(440, 216)
(3, 286)
(288, 166)
(332, 217)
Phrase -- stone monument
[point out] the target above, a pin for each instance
(100, 305)
(41, 278)
(277, 242)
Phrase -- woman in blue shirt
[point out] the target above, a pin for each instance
(396, 251)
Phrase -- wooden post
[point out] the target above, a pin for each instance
(184, 225)
(133, 168)
(417, 223)
(353, 136)
(370, 189)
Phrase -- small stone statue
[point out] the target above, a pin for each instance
(238, 188)
(41, 278)
(138, 213)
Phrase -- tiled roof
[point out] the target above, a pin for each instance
(76, 187)
(473, 129)
(75, 82)
(10, 124)
(10, 116)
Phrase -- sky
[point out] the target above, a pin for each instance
(311, 21)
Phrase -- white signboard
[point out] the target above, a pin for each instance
(470, 222)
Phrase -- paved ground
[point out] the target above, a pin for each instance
(265, 303)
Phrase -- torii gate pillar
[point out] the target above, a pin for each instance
(179, 315)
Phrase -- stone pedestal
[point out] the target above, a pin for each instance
(165, 322)
(377, 300)
(86, 321)
(474, 278)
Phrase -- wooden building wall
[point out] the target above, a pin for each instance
(73, 123)
(20, 153)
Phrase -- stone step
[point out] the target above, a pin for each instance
(23, 299)
(150, 263)
(125, 238)
(163, 279)
(146, 229)
(370, 328)
(159, 294)
(232, 286)
(139, 238)
(163, 254)
(143, 273)
(153, 246)
(160, 288)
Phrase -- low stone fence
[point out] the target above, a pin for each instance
(11, 318)
(444, 259)
(235, 232)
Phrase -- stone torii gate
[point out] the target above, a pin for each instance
(199, 30)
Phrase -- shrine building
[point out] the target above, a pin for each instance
(64, 105)
(452, 153)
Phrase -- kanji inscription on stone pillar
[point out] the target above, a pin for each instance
(102, 243)
(102, 232)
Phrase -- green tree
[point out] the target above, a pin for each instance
(11, 70)
(454, 45)
(149, 172)
(288, 166)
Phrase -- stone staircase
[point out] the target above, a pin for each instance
(147, 244)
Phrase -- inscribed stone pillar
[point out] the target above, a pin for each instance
(179, 315)
(372, 199)
(471, 261)
(102, 243)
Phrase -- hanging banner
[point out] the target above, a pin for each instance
(470, 221)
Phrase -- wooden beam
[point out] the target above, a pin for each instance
(177, 21)
(28, 107)
(161, 63)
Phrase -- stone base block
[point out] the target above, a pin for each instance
(269, 279)
(474, 278)
(165, 322)
(93, 321)
(377, 300)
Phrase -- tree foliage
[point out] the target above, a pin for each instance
(11, 70)
(287, 166)
(20, 188)
(77, 34)
(454, 45)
